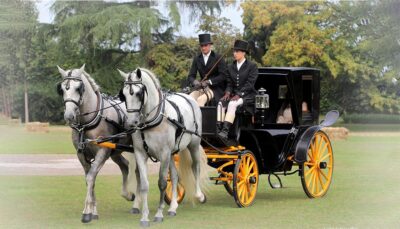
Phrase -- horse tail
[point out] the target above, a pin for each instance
(131, 180)
(186, 176)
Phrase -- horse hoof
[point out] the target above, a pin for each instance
(133, 197)
(204, 200)
(135, 211)
(158, 219)
(95, 217)
(86, 218)
(172, 213)
(144, 223)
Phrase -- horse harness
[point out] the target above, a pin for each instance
(95, 121)
(157, 119)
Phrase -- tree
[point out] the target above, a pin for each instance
(171, 61)
(223, 34)
(18, 24)
(323, 35)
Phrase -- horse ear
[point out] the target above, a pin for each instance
(123, 74)
(82, 69)
(62, 72)
(139, 73)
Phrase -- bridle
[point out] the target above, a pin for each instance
(142, 93)
(67, 87)
(99, 107)
(156, 120)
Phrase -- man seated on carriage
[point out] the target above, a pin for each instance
(242, 75)
(212, 69)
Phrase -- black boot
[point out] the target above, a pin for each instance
(225, 130)
(219, 126)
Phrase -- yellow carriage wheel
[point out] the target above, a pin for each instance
(316, 172)
(245, 180)
(168, 191)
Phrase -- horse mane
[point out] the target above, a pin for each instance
(93, 83)
(153, 77)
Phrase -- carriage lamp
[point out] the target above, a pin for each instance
(262, 99)
(262, 106)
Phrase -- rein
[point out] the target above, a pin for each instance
(105, 108)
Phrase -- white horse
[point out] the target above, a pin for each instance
(81, 96)
(155, 119)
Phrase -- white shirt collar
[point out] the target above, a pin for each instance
(238, 65)
(206, 56)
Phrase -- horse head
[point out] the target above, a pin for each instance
(134, 94)
(72, 89)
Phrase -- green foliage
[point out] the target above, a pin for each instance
(17, 29)
(328, 36)
(171, 62)
(355, 44)
(223, 34)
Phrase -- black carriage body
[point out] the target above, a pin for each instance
(273, 143)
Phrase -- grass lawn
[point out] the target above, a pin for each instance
(364, 194)
(16, 140)
(371, 127)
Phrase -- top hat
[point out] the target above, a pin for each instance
(205, 39)
(241, 45)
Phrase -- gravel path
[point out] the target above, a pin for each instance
(54, 165)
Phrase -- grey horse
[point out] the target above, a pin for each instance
(86, 114)
(155, 119)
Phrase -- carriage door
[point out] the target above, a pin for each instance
(308, 116)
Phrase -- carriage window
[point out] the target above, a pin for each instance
(282, 91)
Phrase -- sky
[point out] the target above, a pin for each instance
(188, 29)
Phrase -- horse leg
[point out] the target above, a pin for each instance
(174, 179)
(194, 149)
(90, 204)
(123, 165)
(136, 202)
(162, 184)
(141, 160)
(86, 167)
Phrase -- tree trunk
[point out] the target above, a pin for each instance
(26, 102)
(4, 100)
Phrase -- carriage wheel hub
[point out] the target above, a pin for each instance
(322, 165)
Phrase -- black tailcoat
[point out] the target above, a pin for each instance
(217, 76)
(241, 82)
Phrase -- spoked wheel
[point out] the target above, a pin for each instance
(245, 180)
(316, 172)
(168, 191)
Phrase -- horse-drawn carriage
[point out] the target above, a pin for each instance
(265, 146)
(272, 133)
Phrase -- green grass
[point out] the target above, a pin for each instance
(371, 127)
(364, 194)
(16, 140)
